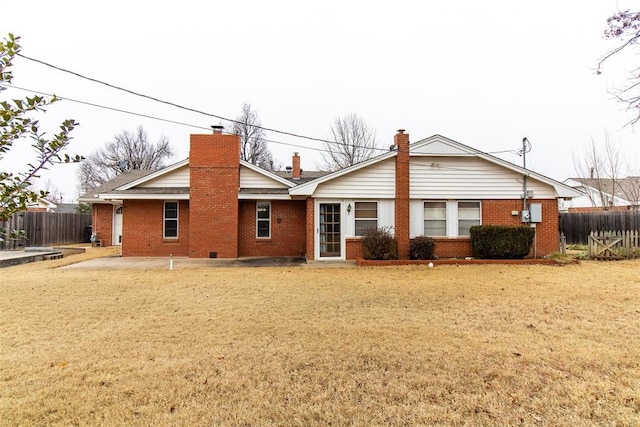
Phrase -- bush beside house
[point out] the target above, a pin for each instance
(501, 242)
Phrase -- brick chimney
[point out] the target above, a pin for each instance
(214, 170)
(295, 164)
(401, 141)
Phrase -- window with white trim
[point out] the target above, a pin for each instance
(263, 220)
(435, 218)
(468, 216)
(451, 218)
(366, 216)
(170, 219)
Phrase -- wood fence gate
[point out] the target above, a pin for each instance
(614, 244)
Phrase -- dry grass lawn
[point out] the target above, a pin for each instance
(467, 345)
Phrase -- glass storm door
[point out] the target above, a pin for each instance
(330, 230)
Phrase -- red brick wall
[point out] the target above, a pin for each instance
(288, 229)
(142, 229)
(498, 212)
(214, 178)
(311, 228)
(354, 247)
(454, 247)
(494, 212)
(102, 223)
(401, 227)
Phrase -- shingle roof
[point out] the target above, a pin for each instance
(116, 182)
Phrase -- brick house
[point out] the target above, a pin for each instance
(215, 205)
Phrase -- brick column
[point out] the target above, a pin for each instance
(402, 232)
(214, 169)
(311, 229)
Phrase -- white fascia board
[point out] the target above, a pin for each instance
(561, 189)
(307, 189)
(134, 196)
(153, 175)
(244, 196)
(266, 173)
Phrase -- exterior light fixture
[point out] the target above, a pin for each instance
(349, 208)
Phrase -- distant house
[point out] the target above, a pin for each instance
(215, 205)
(42, 205)
(604, 194)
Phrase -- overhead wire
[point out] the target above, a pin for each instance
(120, 110)
(179, 106)
(173, 104)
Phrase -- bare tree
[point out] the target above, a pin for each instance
(352, 141)
(625, 26)
(128, 151)
(254, 148)
(600, 171)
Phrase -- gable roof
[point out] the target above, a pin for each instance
(457, 148)
(438, 145)
(119, 180)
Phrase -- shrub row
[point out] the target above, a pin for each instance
(487, 242)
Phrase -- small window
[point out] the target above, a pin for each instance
(366, 216)
(468, 216)
(263, 220)
(435, 218)
(170, 220)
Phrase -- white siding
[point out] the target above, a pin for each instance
(468, 178)
(438, 147)
(176, 178)
(252, 179)
(373, 182)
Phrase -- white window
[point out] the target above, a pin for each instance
(366, 216)
(263, 220)
(468, 216)
(170, 229)
(451, 218)
(435, 218)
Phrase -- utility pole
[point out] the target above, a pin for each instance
(526, 147)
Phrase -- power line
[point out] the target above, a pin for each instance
(119, 110)
(173, 104)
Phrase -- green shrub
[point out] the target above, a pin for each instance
(423, 247)
(380, 244)
(501, 242)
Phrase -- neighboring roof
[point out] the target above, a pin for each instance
(625, 189)
(66, 207)
(42, 203)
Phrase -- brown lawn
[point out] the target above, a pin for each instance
(467, 345)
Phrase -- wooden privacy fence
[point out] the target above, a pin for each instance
(614, 244)
(576, 226)
(47, 229)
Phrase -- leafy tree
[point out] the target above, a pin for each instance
(253, 145)
(352, 141)
(128, 151)
(625, 27)
(17, 125)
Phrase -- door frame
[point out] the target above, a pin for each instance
(317, 229)
(116, 238)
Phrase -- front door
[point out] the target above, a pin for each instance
(330, 230)
(117, 225)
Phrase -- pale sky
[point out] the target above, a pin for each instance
(485, 74)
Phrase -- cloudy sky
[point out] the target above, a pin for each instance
(485, 74)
